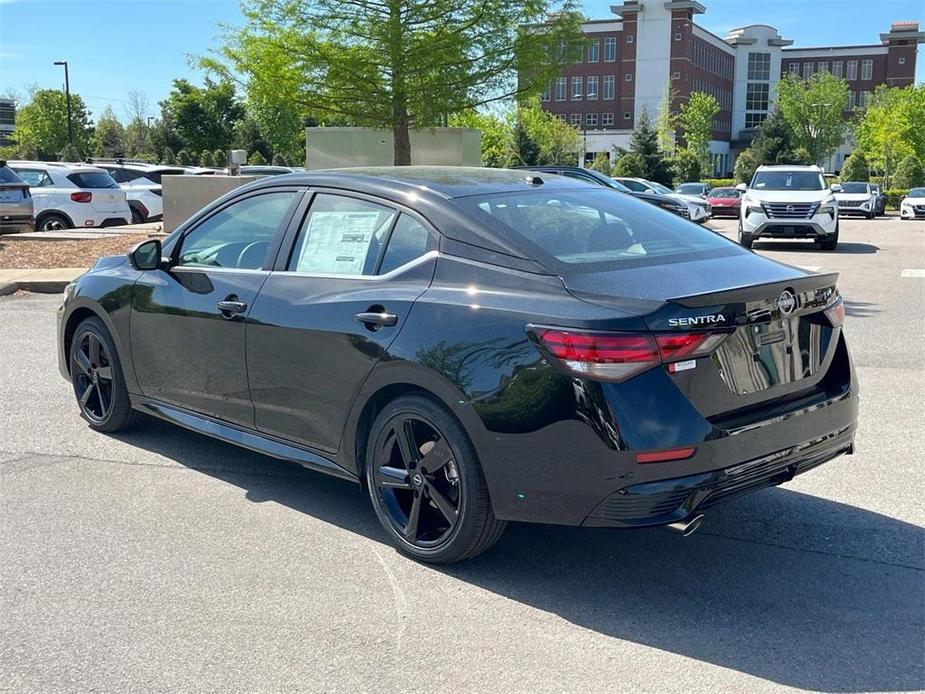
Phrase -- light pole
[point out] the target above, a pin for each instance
(67, 96)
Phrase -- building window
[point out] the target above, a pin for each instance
(852, 70)
(610, 49)
(575, 119)
(864, 100)
(837, 68)
(563, 52)
(677, 36)
(627, 115)
(675, 75)
(807, 70)
(545, 95)
(759, 66)
(560, 88)
(753, 120)
(629, 38)
(591, 120)
(867, 69)
(576, 89)
(594, 52)
(902, 61)
(794, 68)
(577, 53)
(609, 83)
(756, 97)
(852, 97)
(823, 66)
(592, 92)
(607, 119)
(628, 77)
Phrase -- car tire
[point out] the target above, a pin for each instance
(871, 214)
(831, 242)
(97, 378)
(439, 515)
(745, 240)
(53, 221)
(137, 216)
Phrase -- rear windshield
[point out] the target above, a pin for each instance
(593, 229)
(92, 179)
(854, 187)
(155, 176)
(725, 193)
(788, 180)
(7, 175)
(691, 188)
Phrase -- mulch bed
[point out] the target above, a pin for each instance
(51, 254)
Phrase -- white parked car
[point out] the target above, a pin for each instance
(789, 202)
(142, 184)
(857, 198)
(68, 196)
(913, 205)
(698, 208)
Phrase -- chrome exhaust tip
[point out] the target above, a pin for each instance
(686, 527)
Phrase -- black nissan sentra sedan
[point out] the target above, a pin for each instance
(472, 346)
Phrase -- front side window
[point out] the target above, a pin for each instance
(594, 52)
(759, 66)
(238, 236)
(341, 236)
(594, 229)
(787, 180)
(592, 88)
(610, 49)
(609, 82)
(576, 88)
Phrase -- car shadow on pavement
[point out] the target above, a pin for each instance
(844, 247)
(792, 588)
(861, 309)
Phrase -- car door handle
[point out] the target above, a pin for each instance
(371, 318)
(231, 306)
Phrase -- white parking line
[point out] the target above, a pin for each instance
(916, 273)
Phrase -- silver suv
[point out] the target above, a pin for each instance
(16, 209)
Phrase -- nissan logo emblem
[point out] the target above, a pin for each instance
(786, 302)
(790, 209)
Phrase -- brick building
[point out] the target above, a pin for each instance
(629, 59)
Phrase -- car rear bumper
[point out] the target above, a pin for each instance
(17, 225)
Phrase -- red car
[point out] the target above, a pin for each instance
(725, 201)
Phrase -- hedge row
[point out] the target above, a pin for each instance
(720, 182)
(894, 196)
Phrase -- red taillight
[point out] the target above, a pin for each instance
(82, 196)
(836, 312)
(665, 456)
(618, 356)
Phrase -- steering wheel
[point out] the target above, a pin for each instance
(242, 256)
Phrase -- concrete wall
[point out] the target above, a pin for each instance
(186, 195)
(334, 148)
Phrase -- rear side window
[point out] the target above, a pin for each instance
(595, 229)
(36, 178)
(92, 179)
(409, 240)
(7, 175)
(341, 236)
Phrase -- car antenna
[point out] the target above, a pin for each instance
(534, 180)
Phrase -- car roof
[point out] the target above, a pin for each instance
(59, 166)
(789, 167)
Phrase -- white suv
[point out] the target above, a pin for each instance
(142, 184)
(70, 196)
(789, 202)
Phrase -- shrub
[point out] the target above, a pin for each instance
(184, 158)
(601, 163)
(855, 167)
(909, 173)
(630, 165)
(686, 166)
(745, 167)
(256, 159)
(168, 157)
(894, 196)
(720, 182)
(219, 159)
(279, 160)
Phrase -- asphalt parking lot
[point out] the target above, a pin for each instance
(162, 560)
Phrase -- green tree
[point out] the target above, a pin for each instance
(256, 159)
(891, 128)
(557, 141)
(138, 139)
(168, 157)
(219, 159)
(164, 135)
(909, 173)
(687, 166)
(497, 135)
(774, 143)
(856, 167)
(602, 163)
(109, 135)
(204, 117)
(696, 121)
(184, 158)
(41, 125)
(205, 158)
(630, 165)
(746, 165)
(666, 122)
(397, 64)
(644, 143)
(814, 109)
(526, 150)
(249, 138)
(279, 160)
(69, 153)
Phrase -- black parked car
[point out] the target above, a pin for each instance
(472, 346)
(597, 178)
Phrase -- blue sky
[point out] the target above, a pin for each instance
(115, 46)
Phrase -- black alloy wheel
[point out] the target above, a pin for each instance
(97, 378)
(426, 485)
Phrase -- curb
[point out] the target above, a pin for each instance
(35, 286)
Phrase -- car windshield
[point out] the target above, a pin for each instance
(7, 175)
(854, 188)
(92, 179)
(590, 230)
(917, 193)
(636, 186)
(659, 188)
(616, 185)
(787, 180)
(690, 188)
(724, 193)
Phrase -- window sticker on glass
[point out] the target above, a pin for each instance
(338, 242)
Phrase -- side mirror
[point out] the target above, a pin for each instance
(146, 255)
(742, 187)
(835, 188)
(650, 191)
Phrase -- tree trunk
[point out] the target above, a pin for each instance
(401, 134)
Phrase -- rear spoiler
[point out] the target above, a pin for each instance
(757, 292)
